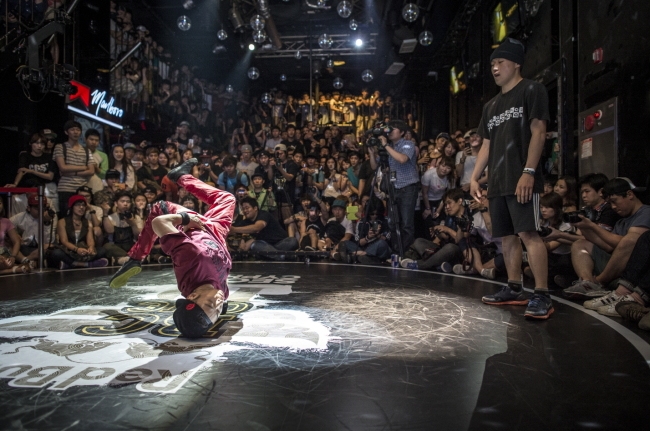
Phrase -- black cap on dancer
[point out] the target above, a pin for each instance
(190, 319)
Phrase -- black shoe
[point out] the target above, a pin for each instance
(184, 168)
(368, 260)
(130, 268)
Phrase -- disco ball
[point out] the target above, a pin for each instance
(344, 9)
(257, 22)
(222, 35)
(229, 89)
(354, 25)
(259, 36)
(253, 73)
(298, 55)
(329, 63)
(367, 75)
(321, 3)
(184, 22)
(426, 38)
(266, 98)
(338, 83)
(283, 77)
(325, 41)
(410, 12)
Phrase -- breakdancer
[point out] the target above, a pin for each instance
(196, 244)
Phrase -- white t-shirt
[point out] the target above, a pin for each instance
(437, 186)
(480, 228)
(468, 168)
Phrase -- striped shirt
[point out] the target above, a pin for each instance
(70, 183)
(406, 173)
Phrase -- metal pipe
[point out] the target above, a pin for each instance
(41, 232)
(126, 56)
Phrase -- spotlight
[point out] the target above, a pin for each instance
(251, 47)
(235, 18)
(358, 42)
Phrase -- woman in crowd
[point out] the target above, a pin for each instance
(567, 188)
(435, 183)
(121, 227)
(334, 182)
(140, 209)
(77, 242)
(118, 161)
(163, 160)
(186, 155)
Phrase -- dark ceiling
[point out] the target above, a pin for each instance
(298, 23)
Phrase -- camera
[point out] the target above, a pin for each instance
(126, 215)
(544, 231)
(50, 212)
(375, 226)
(573, 216)
(464, 223)
(379, 129)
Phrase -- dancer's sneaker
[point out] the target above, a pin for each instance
(506, 296)
(184, 168)
(129, 269)
(585, 289)
(540, 306)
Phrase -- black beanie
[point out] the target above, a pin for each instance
(510, 49)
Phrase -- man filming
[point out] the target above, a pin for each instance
(403, 175)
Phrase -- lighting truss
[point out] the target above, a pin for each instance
(341, 46)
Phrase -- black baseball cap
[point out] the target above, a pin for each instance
(190, 319)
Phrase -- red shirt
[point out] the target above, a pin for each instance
(199, 257)
(168, 185)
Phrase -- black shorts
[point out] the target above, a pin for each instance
(509, 217)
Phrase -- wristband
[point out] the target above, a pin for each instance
(530, 171)
(185, 218)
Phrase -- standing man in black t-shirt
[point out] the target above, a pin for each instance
(513, 127)
(283, 173)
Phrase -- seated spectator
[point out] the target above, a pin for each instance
(25, 236)
(441, 253)
(334, 182)
(265, 198)
(152, 195)
(76, 239)
(267, 233)
(151, 174)
(292, 223)
(370, 245)
(94, 214)
(10, 249)
(247, 164)
(559, 249)
(549, 183)
(311, 226)
(118, 161)
(35, 168)
(172, 154)
(566, 187)
(121, 228)
(435, 183)
(601, 257)
(482, 254)
(75, 164)
(231, 176)
(8, 263)
(338, 227)
(113, 186)
(163, 160)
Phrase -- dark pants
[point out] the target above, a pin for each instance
(637, 270)
(405, 200)
(287, 244)
(448, 253)
(57, 256)
(379, 249)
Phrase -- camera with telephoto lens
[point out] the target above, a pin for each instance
(464, 223)
(379, 129)
(573, 216)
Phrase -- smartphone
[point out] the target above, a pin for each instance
(190, 143)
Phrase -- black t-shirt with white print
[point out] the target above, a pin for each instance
(506, 123)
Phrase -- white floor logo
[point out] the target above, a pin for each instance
(137, 344)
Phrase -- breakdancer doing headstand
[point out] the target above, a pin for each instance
(196, 244)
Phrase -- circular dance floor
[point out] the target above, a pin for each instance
(310, 347)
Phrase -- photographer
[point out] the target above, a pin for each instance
(403, 175)
(122, 229)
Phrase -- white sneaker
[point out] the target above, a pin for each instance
(458, 269)
(610, 310)
(405, 262)
(612, 298)
(490, 274)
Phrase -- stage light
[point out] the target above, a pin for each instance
(251, 47)
(222, 35)
(184, 23)
(358, 42)
(188, 4)
(329, 63)
(325, 41)
(257, 22)
(235, 17)
(259, 36)
(410, 12)
(338, 83)
(344, 9)
(354, 25)
(229, 89)
(426, 38)
(253, 73)
(298, 55)
(283, 77)
(367, 75)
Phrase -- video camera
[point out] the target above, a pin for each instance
(379, 129)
